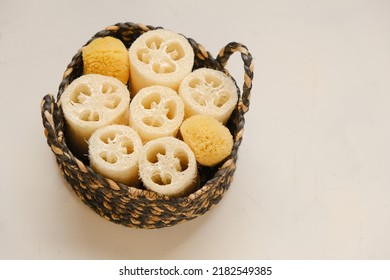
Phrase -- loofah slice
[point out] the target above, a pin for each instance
(91, 102)
(209, 139)
(208, 91)
(168, 166)
(159, 57)
(107, 56)
(113, 152)
(156, 111)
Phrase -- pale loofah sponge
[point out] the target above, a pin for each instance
(156, 111)
(209, 139)
(107, 56)
(168, 166)
(91, 102)
(159, 57)
(114, 151)
(208, 92)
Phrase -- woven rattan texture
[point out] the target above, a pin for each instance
(137, 207)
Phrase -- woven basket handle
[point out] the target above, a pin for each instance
(223, 57)
(51, 121)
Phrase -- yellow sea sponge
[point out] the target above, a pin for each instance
(107, 56)
(209, 139)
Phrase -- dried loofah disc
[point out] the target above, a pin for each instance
(113, 152)
(159, 57)
(208, 91)
(168, 166)
(156, 111)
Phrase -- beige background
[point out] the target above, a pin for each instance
(313, 176)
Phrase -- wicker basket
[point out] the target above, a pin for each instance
(138, 207)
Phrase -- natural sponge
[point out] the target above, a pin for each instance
(168, 166)
(107, 56)
(156, 111)
(159, 57)
(91, 102)
(209, 139)
(208, 91)
(113, 152)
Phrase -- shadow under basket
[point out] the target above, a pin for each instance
(138, 207)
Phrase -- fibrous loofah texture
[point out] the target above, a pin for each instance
(159, 57)
(91, 102)
(156, 111)
(113, 152)
(168, 166)
(208, 91)
(107, 56)
(209, 139)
